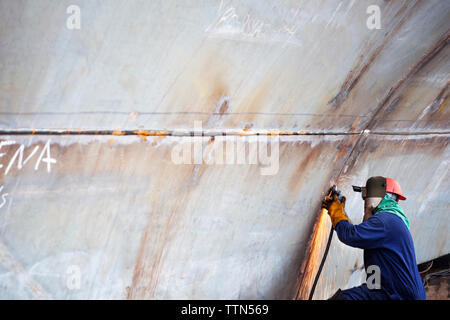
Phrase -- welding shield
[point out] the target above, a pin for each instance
(363, 191)
(375, 188)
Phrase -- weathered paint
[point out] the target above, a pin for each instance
(113, 99)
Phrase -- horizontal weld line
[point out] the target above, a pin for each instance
(156, 113)
(173, 133)
(181, 133)
(385, 133)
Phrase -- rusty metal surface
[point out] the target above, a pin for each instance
(161, 65)
(419, 163)
(140, 226)
(98, 112)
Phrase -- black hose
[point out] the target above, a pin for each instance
(335, 191)
(330, 237)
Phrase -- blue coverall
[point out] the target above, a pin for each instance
(388, 244)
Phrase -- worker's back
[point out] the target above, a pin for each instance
(397, 261)
(388, 244)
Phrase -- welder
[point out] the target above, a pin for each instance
(385, 237)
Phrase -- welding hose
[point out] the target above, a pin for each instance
(333, 190)
(330, 237)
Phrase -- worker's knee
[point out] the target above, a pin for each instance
(362, 292)
(338, 296)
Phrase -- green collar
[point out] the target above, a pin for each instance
(390, 205)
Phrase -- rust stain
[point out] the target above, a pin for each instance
(146, 133)
(167, 213)
(341, 152)
(205, 156)
(254, 102)
(157, 139)
(118, 132)
(384, 104)
(207, 89)
(133, 115)
(355, 124)
(441, 99)
(361, 67)
(442, 105)
(224, 107)
(218, 92)
(141, 132)
(302, 170)
(111, 142)
(151, 252)
(245, 133)
(135, 291)
(346, 147)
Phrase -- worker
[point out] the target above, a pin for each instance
(384, 235)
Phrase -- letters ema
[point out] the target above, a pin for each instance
(44, 156)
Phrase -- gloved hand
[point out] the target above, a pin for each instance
(336, 209)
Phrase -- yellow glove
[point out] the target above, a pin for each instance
(336, 209)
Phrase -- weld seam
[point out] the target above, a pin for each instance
(190, 133)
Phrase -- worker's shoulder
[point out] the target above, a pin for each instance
(376, 221)
(392, 221)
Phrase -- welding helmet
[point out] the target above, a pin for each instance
(377, 187)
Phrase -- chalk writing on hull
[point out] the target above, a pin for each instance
(3, 197)
(19, 161)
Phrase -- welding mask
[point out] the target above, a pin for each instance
(377, 187)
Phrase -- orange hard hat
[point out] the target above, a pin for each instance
(392, 186)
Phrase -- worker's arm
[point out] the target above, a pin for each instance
(367, 235)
